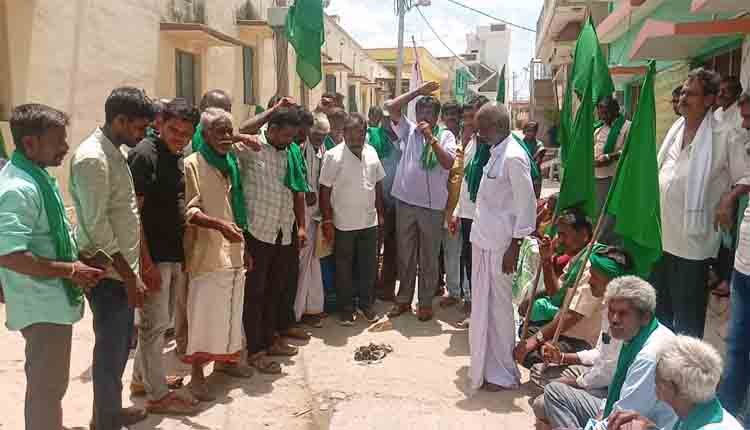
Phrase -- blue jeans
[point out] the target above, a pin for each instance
(113, 326)
(734, 384)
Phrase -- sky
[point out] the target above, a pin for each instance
(374, 24)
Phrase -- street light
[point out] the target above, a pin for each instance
(403, 6)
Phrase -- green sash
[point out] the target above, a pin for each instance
(328, 142)
(65, 247)
(702, 415)
(627, 355)
(229, 166)
(379, 140)
(429, 159)
(535, 172)
(614, 133)
(296, 171)
(475, 169)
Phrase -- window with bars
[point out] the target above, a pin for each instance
(248, 60)
(187, 84)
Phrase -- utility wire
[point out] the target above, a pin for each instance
(419, 9)
(492, 17)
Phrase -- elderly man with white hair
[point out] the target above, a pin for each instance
(687, 373)
(214, 253)
(310, 298)
(505, 213)
(631, 304)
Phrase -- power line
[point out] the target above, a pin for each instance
(419, 9)
(492, 17)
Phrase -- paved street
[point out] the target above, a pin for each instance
(421, 385)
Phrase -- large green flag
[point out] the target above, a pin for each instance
(578, 187)
(634, 197)
(500, 98)
(306, 33)
(588, 52)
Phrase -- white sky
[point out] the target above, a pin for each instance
(374, 24)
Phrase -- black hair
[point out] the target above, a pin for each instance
(735, 87)
(306, 118)
(453, 106)
(180, 108)
(576, 218)
(212, 98)
(355, 120)
(130, 102)
(429, 102)
(375, 110)
(284, 117)
(34, 119)
(273, 101)
(337, 114)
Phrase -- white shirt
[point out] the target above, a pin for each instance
(506, 204)
(729, 119)
(730, 165)
(602, 359)
(352, 181)
(600, 141)
(465, 208)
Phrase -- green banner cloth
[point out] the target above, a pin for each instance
(634, 196)
(306, 33)
(578, 186)
(65, 246)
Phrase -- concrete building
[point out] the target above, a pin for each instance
(71, 54)
(679, 34)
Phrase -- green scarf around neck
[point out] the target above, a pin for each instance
(535, 172)
(228, 165)
(475, 169)
(328, 142)
(627, 355)
(296, 170)
(65, 247)
(429, 158)
(614, 133)
(379, 140)
(703, 414)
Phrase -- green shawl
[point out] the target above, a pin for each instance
(614, 133)
(429, 159)
(535, 172)
(475, 169)
(65, 247)
(296, 171)
(379, 140)
(702, 415)
(229, 166)
(627, 355)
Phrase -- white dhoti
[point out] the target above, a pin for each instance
(214, 312)
(492, 329)
(310, 296)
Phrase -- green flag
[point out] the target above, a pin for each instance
(587, 53)
(306, 33)
(501, 87)
(634, 197)
(578, 187)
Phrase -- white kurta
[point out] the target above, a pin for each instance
(214, 311)
(310, 296)
(505, 209)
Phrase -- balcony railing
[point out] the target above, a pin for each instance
(185, 11)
